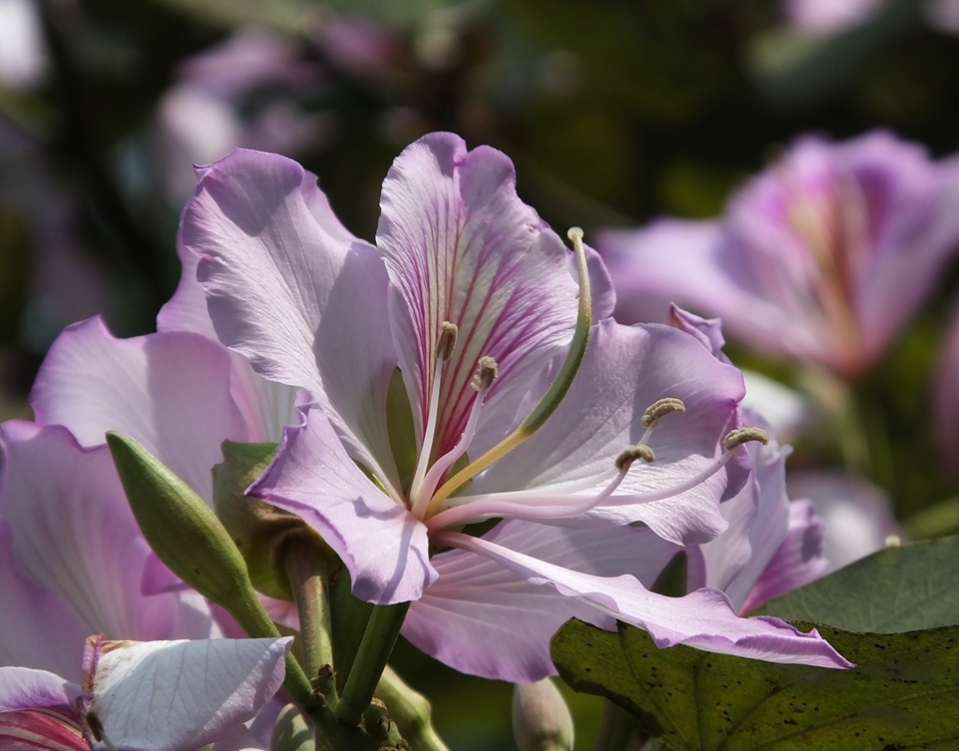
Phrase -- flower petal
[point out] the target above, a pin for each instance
(384, 547)
(484, 619)
(797, 561)
(169, 391)
(37, 629)
(74, 534)
(703, 619)
(292, 290)
(181, 695)
(625, 370)
(26, 688)
(461, 247)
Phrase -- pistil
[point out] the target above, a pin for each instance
(444, 350)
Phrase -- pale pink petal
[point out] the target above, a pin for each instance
(292, 290)
(799, 559)
(484, 619)
(37, 630)
(625, 370)
(169, 391)
(74, 535)
(382, 544)
(703, 619)
(26, 688)
(461, 247)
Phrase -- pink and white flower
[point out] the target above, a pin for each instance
(823, 257)
(452, 385)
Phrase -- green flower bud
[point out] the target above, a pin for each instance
(259, 530)
(541, 719)
(291, 731)
(182, 530)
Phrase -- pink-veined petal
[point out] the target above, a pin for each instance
(382, 544)
(703, 619)
(484, 619)
(461, 247)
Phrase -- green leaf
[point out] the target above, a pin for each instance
(902, 695)
(896, 589)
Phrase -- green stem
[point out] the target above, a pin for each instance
(350, 617)
(307, 573)
(410, 710)
(375, 650)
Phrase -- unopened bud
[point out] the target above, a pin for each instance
(291, 731)
(659, 409)
(736, 438)
(541, 719)
(259, 531)
(639, 451)
(182, 530)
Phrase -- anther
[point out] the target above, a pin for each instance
(486, 372)
(738, 437)
(575, 235)
(659, 409)
(447, 342)
(639, 451)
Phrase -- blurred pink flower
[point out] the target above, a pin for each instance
(824, 256)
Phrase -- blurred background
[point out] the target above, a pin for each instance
(615, 112)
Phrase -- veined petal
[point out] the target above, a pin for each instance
(169, 391)
(626, 369)
(37, 629)
(703, 619)
(266, 406)
(461, 247)
(484, 619)
(292, 290)
(181, 695)
(382, 544)
(74, 534)
(26, 688)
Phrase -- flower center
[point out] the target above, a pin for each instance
(426, 493)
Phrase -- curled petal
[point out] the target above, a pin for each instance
(484, 619)
(703, 619)
(283, 280)
(384, 546)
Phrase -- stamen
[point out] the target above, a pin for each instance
(530, 508)
(447, 343)
(736, 438)
(659, 409)
(639, 451)
(557, 390)
(444, 350)
(485, 373)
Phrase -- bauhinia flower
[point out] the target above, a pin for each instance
(131, 696)
(456, 381)
(823, 257)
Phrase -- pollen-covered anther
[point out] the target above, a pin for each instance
(486, 372)
(447, 343)
(639, 451)
(659, 409)
(738, 437)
